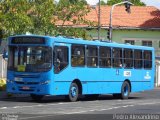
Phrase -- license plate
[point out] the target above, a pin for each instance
(25, 88)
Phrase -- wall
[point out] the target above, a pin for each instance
(138, 35)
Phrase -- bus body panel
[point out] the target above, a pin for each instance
(34, 82)
(94, 80)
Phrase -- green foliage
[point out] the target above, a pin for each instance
(138, 3)
(40, 16)
(135, 2)
(102, 3)
(13, 17)
(72, 11)
(73, 32)
(112, 2)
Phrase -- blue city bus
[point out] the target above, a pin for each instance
(44, 65)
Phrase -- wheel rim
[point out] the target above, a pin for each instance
(73, 91)
(126, 90)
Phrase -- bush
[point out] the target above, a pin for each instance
(2, 84)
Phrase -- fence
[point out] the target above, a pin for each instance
(3, 67)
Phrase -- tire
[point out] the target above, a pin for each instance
(125, 90)
(36, 97)
(73, 92)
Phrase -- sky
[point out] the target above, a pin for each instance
(155, 3)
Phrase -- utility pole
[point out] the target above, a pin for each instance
(127, 5)
(99, 20)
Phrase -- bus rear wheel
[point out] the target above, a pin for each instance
(73, 92)
(36, 97)
(125, 90)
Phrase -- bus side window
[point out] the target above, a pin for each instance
(104, 57)
(60, 58)
(147, 59)
(138, 59)
(117, 57)
(78, 55)
(92, 56)
(128, 58)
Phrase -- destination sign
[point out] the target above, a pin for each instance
(28, 40)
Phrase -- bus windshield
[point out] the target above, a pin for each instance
(30, 59)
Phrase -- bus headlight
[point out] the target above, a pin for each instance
(45, 82)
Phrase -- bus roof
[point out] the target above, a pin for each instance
(98, 42)
(72, 40)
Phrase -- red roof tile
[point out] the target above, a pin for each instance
(140, 17)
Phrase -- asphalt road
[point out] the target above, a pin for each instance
(106, 107)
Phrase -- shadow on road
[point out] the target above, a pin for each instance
(57, 99)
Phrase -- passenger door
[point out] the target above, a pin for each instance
(61, 59)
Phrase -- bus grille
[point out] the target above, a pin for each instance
(28, 83)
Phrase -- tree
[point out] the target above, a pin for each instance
(13, 17)
(76, 1)
(84, 2)
(135, 2)
(102, 3)
(71, 11)
(41, 14)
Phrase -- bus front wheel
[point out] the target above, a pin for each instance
(73, 92)
(36, 97)
(125, 90)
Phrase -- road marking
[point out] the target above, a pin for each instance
(93, 110)
(124, 103)
(86, 111)
(25, 118)
(39, 105)
(3, 108)
(125, 106)
(43, 105)
(78, 112)
(111, 108)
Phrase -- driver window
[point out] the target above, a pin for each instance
(60, 58)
